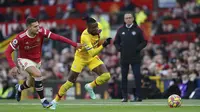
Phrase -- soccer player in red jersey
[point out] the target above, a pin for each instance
(29, 45)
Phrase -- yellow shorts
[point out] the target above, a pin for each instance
(78, 64)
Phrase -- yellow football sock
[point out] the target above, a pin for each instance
(63, 89)
(93, 84)
(100, 80)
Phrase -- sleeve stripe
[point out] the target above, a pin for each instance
(49, 34)
(45, 32)
(88, 49)
(12, 46)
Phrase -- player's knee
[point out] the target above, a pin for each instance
(37, 74)
(106, 76)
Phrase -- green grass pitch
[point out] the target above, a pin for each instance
(99, 106)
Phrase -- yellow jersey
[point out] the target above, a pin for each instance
(90, 42)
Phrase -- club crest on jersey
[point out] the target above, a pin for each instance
(133, 32)
(26, 42)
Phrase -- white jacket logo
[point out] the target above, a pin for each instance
(133, 33)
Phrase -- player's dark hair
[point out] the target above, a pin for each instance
(30, 20)
(89, 20)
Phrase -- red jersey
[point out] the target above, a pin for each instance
(31, 47)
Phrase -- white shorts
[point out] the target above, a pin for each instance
(25, 63)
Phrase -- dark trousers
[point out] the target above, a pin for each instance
(137, 75)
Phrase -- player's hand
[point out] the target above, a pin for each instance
(14, 72)
(79, 45)
(107, 42)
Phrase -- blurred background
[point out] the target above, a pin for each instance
(171, 62)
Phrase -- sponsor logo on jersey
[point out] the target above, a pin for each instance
(30, 47)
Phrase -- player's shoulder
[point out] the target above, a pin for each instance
(84, 34)
(22, 34)
(42, 29)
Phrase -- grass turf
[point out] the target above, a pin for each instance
(99, 106)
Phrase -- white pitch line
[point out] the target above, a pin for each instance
(100, 104)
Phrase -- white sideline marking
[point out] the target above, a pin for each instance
(101, 104)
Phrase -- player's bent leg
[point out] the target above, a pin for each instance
(76, 68)
(36, 74)
(26, 84)
(64, 88)
(103, 77)
(98, 81)
(68, 84)
(19, 89)
(30, 81)
(98, 67)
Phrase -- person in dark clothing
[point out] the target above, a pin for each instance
(129, 41)
(173, 89)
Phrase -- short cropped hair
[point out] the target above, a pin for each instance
(89, 20)
(30, 20)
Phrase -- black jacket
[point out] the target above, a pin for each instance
(130, 41)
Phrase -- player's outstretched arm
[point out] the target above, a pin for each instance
(107, 42)
(14, 71)
(8, 53)
(95, 51)
(57, 37)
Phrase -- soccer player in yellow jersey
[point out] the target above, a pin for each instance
(87, 56)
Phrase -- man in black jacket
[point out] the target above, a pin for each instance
(129, 41)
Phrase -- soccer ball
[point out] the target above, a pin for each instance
(174, 101)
